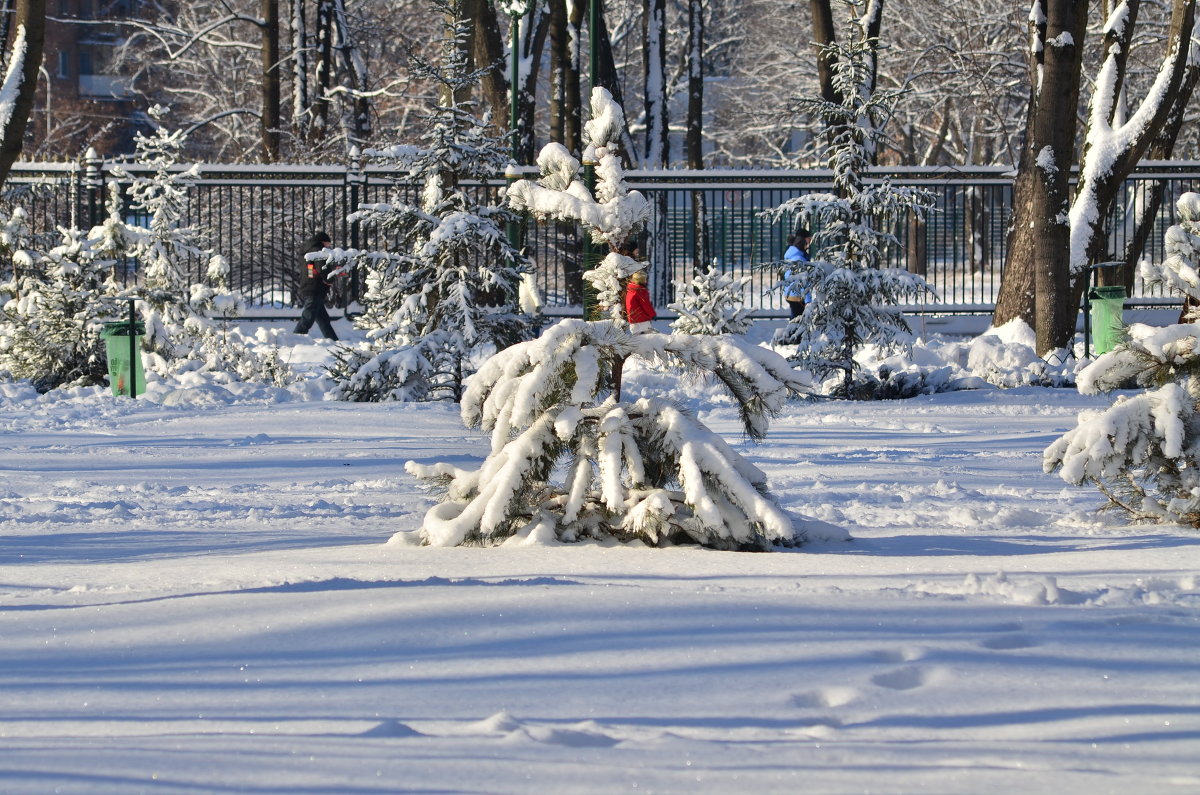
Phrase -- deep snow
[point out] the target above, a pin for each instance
(197, 594)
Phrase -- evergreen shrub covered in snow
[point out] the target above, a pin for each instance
(448, 292)
(1143, 452)
(711, 303)
(568, 464)
(188, 324)
(57, 304)
(854, 297)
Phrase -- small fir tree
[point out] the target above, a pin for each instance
(188, 324)
(711, 303)
(854, 298)
(568, 464)
(50, 333)
(568, 460)
(1143, 452)
(450, 289)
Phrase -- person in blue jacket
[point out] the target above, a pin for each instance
(797, 253)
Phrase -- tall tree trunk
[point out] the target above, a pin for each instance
(823, 35)
(300, 97)
(325, 32)
(487, 49)
(560, 57)
(269, 9)
(20, 79)
(654, 61)
(535, 30)
(359, 131)
(1035, 287)
(694, 142)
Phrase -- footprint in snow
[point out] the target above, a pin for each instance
(1008, 642)
(826, 698)
(908, 678)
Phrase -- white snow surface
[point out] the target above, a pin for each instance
(197, 595)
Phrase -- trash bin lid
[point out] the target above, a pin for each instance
(120, 328)
(1108, 293)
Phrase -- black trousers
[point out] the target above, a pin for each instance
(314, 311)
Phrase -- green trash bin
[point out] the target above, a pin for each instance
(121, 347)
(1108, 317)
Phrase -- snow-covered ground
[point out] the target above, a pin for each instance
(198, 594)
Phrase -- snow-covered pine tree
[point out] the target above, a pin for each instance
(854, 297)
(711, 303)
(1143, 452)
(181, 335)
(568, 464)
(50, 332)
(568, 461)
(449, 292)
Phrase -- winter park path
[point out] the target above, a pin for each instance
(202, 599)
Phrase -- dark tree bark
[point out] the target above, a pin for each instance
(1036, 279)
(269, 9)
(656, 153)
(823, 36)
(694, 143)
(29, 25)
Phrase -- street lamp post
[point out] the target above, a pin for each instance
(515, 9)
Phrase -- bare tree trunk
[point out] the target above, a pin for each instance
(487, 49)
(269, 9)
(560, 57)
(359, 131)
(654, 60)
(300, 97)
(1036, 284)
(20, 80)
(823, 36)
(694, 143)
(320, 116)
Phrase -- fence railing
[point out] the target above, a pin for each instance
(257, 216)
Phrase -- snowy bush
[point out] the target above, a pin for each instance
(711, 303)
(448, 293)
(188, 324)
(1143, 452)
(50, 328)
(568, 464)
(854, 298)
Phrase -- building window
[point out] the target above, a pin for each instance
(85, 63)
(64, 64)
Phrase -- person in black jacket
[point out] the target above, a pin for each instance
(314, 286)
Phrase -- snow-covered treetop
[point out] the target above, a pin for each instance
(564, 371)
(613, 213)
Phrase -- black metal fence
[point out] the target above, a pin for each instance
(257, 216)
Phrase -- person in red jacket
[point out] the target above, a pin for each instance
(638, 309)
